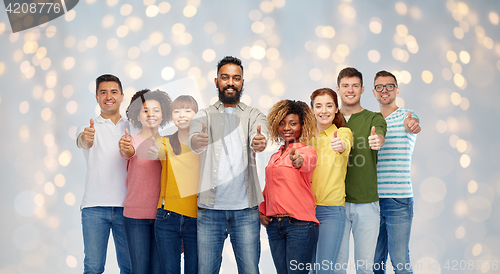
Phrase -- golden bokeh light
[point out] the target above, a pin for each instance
(164, 49)
(427, 76)
(464, 104)
(49, 188)
(465, 160)
(454, 140)
(69, 199)
(59, 180)
(494, 19)
(460, 232)
(39, 200)
(441, 126)
(70, 15)
(208, 55)
(156, 37)
(185, 39)
(107, 21)
(459, 80)
(456, 98)
(164, 7)
(268, 73)
(456, 68)
(71, 107)
(315, 74)
(167, 73)
(152, 11)
(402, 30)
(266, 6)
(65, 158)
(257, 52)
(126, 9)
(24, 134)
(464, 57)
(477, 249)
(277, 88)
(71, 261)
(472, 186)
(258, 27)
(189, 11)
(182, 63)
(323, 52)
(401, 8)
(451, 56)
(46, 114)
(24, 107)
(459, 33)
(461, 146)
(122, 31)
(373, 56)
(328, 32)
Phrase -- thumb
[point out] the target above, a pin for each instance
(335, 134)
(126, 133)
(91, 123)
(258, 130)
(203, 127)
(293, 151)
(373, 130)
(409, 114)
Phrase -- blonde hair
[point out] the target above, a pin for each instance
(284, 107)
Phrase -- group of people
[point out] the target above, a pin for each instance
(337, 170)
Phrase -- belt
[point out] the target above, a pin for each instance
(281, 215)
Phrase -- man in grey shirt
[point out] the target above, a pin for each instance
(228, 134)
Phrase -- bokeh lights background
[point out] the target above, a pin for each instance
(446, 55)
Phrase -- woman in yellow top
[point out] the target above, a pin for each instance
(333, 144)
(175, 225)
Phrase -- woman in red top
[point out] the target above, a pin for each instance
(288, 209)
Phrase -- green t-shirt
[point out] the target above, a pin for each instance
(361, 178)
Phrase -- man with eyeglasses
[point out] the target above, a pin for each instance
(393, 174)
(361, 201)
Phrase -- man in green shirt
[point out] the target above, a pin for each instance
(362, 208)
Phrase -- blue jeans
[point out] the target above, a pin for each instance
(96, 223)
(173, 233)
(364, 221)
(331, 232)
(214, 226)
(396, 216)
(292, 244)
(142, 245)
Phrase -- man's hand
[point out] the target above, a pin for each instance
(264, 220)
(297, 160)
(337, 144)
(376, 141)
(259, 141)
(125, 146)
(412, 124)
(153, 151)
(200, 141)
(88, 135)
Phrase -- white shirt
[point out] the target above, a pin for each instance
(106, 169)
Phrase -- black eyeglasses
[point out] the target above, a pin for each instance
(388, 87)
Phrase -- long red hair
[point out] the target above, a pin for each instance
(339, 119)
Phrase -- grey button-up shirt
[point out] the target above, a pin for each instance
(213, 116)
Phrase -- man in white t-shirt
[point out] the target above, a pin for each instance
(393, 177)
(105, 189)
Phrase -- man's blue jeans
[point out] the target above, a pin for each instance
(292, 244)
(396, 216)
(174, 232)
(364, 221)
(142, 245)
(331, 232)
(96, 224)
(214, 226)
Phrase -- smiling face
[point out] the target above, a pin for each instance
(289, 129)
(150, 114)
(386, 97)
(350, 90)
(109, 97)
(229, 82)
(182, 117)
(324, 110)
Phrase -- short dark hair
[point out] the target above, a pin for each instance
(348, 73)
(229, 60)
(144, 95)
(107, 78)
(384, 73)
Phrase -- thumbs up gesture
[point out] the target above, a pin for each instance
(153, 151)
(259, 141)
(337, 144)
(412, 124)
(297, 160)
(375, 141)
(200, 142)
(125, 146)
(88, 135)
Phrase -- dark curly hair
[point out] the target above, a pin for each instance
(284, 107)
(144, 95)
(229, 60)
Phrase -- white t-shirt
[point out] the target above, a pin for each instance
(106, 169)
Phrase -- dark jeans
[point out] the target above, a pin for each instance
(292, 244)
(142, 245)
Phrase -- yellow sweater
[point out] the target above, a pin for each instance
(183, 168)
(328, 181)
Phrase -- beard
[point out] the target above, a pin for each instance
(232, 99)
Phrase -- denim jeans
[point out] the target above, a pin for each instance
(96, 224)
(175, 232)
(396, 216)
(364, 221)
(142, 245)
(331, 232)
(214, 226)
(292, 244)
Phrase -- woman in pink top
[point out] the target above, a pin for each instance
(288, 209)
(147, 110)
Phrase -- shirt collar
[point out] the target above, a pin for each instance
(102, 120)
(240, 105)
(329, 131)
